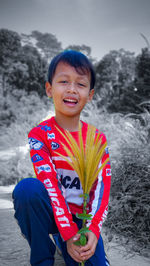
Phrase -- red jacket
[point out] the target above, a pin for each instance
(61, 181)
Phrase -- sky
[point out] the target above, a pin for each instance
(103, 25)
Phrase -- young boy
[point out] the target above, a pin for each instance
(48, 204)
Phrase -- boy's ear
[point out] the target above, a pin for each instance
(48, 88)
(91, 94)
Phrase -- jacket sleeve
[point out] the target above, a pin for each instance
(46, 173)
(100, 195)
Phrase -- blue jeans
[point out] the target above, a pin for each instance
(34, 214)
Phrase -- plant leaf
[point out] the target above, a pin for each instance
(77, 243)
(84, 230)
(84, 216)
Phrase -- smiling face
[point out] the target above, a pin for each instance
(70, 91)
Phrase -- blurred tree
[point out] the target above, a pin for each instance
(116, 69)
(22, 66)
(27, 39)
(115, 76)
(142, 77)
(48, 44)
(10, 46)
(18, 75)
(29, 72)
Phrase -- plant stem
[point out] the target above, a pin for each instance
(84, 221)
(84, 208)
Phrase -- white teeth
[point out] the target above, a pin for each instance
(71, 100)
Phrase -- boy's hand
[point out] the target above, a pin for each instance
(73, 250)
(88, 250)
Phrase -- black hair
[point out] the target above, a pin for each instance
(76, 59)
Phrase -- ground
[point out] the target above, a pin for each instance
(14, 249)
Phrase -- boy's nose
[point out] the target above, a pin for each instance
(72, 87)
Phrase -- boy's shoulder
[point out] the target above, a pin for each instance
(43, 126)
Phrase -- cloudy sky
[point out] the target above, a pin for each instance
(103, 25)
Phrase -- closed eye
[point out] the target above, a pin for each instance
(81, 84)
(63, 81)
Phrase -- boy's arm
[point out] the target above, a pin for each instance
(100, 198)
(46, 173)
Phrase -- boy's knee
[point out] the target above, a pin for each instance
(27, 189)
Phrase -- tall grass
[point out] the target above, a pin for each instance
(24, 112)
(129, 145)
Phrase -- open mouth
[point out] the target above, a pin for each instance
(70, 101)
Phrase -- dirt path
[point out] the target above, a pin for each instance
(14, 250)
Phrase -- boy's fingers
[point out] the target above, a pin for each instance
(86, 248)
(91, 244)
(73, 250)
(89, 252)
(77, 249)
(76, 256)
(76, 237)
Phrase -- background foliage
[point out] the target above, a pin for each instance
(121, 109)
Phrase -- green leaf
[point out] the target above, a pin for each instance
(84, 230)
(85, 195)
(84, 216)
(77, 243)
(83, 239)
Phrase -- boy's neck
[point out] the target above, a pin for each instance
(68, 123)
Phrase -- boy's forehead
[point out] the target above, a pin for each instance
(64, 68)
